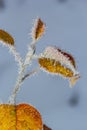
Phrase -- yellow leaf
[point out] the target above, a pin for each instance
(55, 67)
(19, 117)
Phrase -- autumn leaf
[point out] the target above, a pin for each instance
(38, 29)
(56, 61)
(20, 117)
(6, 38)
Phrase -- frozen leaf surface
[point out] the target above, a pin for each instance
(59, 62)
(38, 29)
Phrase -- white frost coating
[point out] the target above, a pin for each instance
(30, 53)
(33, 30)
(13, 50)
(53, 53)
(28, 56)
(22, 69)
(16, 55)
(17, 86)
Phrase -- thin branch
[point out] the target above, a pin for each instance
(31, 73)
(16, 55)
(12, 99)
(30, 53)
(22, 70)
(38, 32)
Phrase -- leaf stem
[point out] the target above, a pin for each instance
(31, 73)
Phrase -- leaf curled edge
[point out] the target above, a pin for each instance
(56, 61)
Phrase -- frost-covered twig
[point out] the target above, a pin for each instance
(12, 99)
(7, 40)
(37, 32)
(23, 66)
(30, 53)
(20, 80)
(16, 54)
(31, 73)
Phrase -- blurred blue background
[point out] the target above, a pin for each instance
(61, 107)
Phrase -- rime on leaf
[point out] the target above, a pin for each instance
(38, 29)
(56, 61)
(55, 67)
(61, 56)
(6, 38)
(69, 56)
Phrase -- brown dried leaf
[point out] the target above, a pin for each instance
(5, 37)
(38, 30)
